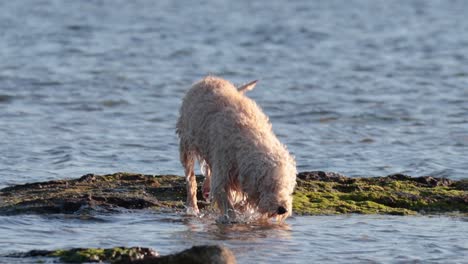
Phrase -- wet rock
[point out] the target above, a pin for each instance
(113, 191)
(423, 181)
(85, 255)
(137, 255)
(87, 178)
(324, 176)
(461, 184)
(317, 192)
(194, 255)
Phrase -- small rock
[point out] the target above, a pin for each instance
(194, 255)
(432, 181)
(87, 178)
(324, 176)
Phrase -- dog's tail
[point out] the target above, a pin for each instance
(247, 87)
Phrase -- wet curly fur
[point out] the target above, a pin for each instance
(246, 166)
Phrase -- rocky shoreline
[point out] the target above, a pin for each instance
(316, 193)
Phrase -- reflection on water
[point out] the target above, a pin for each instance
(330, 239)
(207, 229)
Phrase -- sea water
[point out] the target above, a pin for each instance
(361, 87)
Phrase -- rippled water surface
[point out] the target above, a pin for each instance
(320, 239)
(364, 88)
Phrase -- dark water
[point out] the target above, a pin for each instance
(363, 88)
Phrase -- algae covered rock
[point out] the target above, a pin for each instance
(136, 255)
(108, 192)
(331, 193)
(82, 255)
(317, 192)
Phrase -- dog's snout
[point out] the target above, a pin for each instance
(281, 210)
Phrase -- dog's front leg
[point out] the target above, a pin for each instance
(192, 207)
(191, 184)
(225, 207)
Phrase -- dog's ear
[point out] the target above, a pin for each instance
(247, 87)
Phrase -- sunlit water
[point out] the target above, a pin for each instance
(364, 88)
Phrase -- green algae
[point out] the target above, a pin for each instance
(400, 195)
(80, 255)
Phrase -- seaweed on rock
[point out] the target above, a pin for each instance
(316, 192)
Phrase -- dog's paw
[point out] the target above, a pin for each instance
(224, 219)
(228, 219)
(192, 211)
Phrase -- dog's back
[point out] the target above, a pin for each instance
(213, 94)
(214, 107)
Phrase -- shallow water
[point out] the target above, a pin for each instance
(364, 88)
(320, 239)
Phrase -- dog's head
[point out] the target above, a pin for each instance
(277, 201)
(270, 206)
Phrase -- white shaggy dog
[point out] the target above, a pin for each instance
(245, 165)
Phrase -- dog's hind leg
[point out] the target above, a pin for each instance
(188, 161)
